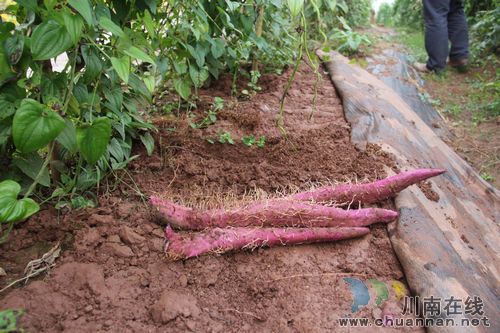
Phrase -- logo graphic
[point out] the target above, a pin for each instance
(373, 290)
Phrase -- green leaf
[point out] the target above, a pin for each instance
(217, 48)
(232, 5)
(116, 150)
(74, 26)
(139, 86)
(102, 10)
(81, 93)
(138, 54)
(84, 8)
(9, 320)
(182, 88)
(198, 54)
(53, 87)
(31, 164)
(14, 46)
(149, 24)
(7, 107)
(49, 4)
(115, 98)
(198, 76)
(122, 67)
(93, 64)
(28, 4)
(35, 125)
(149, 81)
(11, 209)
(110, 26)
(67, 138)
(180, 67)
(295, 6)
(151, 5)
(6, 72)
(48, 40)
(93, 139)
(148, 142)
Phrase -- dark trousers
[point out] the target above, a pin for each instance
(445, 20)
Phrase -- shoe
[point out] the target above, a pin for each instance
(461, 65)
(421, 67)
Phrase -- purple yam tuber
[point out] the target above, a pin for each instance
(270, 213)
(368, 193)
(223, 240)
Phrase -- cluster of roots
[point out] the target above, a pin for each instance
(298, 219)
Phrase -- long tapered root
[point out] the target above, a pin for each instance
(370, 192)
(271, 213)
(221, 240)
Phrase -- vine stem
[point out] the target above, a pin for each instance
(258, 32)
(99, 48)
(314, 65)
(281, 115)
(40, 172)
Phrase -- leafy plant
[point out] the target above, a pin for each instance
(12, 209)
(485, 33)
(252, 84)
(248, 140)
(347, 40)
(385, 15)
(225, 137)
(408, 13)
(8, 320)
(67, 127)
(487, 177)
(261, 142)
(211, 114)
(358, 12)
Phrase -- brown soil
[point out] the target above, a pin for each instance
(113, 276)
(477, 143)
(426, 188)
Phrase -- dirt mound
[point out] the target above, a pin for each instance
(114, 277)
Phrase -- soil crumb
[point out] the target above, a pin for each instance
(426, 188)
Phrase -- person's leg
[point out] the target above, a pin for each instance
(436, 33)
(457, 32)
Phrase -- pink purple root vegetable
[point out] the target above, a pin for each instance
(370, 192)
(220, 240)
(271, 213)
(296, 219)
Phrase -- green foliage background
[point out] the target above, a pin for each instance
(483, 17)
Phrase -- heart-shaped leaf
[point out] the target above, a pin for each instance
(14, 46)
(84, 8)
(149, 81)
(93, 64)
(138, 54)
(35, 125)
(67, 138)
(93, 139)
(295, 6)
(182, 88)
(31, 164)
(74, 26)
(122, 67)
(217, 48)
(148, 142)
(110, 26)
(198, 76)
(49, 39)
(11, 209)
